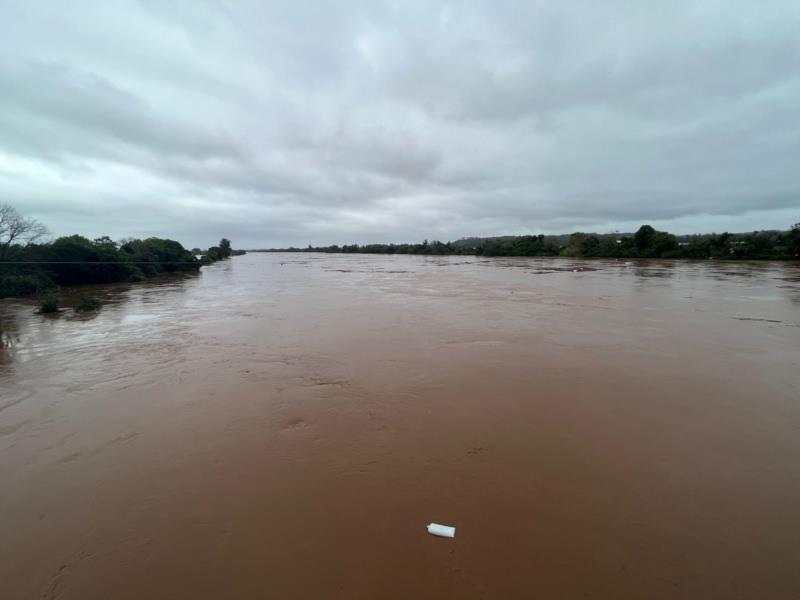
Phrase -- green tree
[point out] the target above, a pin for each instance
(74, 260)
(643, 237)
(225, 247)
(650, 243)
(156, 255)
(214, 253)
(582, 244)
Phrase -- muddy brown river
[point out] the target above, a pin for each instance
(285, 426)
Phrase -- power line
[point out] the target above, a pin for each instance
(99, 263)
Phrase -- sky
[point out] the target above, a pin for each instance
(297, 122)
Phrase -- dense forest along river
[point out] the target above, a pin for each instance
(286, 425)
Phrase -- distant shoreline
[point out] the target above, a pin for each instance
(549, 257)
(647, 242)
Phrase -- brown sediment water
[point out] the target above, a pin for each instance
(285, 426)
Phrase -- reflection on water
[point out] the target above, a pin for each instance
(285, 425)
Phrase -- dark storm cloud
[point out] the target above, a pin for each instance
(277, 122)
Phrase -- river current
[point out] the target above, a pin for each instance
(286, 425)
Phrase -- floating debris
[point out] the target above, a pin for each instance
(442, 530)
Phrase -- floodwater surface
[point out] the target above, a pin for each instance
(286, 425)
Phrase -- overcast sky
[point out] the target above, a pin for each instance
(294, 122)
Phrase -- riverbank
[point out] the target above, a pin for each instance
(43, 269)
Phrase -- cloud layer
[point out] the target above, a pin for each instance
(278, 123)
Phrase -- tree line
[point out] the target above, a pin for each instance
(31, 265)
(647, 242)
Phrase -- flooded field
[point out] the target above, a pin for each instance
(285, 426)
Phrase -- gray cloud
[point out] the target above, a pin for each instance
(90, 115)
(279, 123)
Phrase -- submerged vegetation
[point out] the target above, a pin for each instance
(647, 242)
(48, 306)
(88, 304)
(31, 266)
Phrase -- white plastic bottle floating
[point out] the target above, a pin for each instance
(442, 530)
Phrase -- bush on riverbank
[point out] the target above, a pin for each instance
(18, 282)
